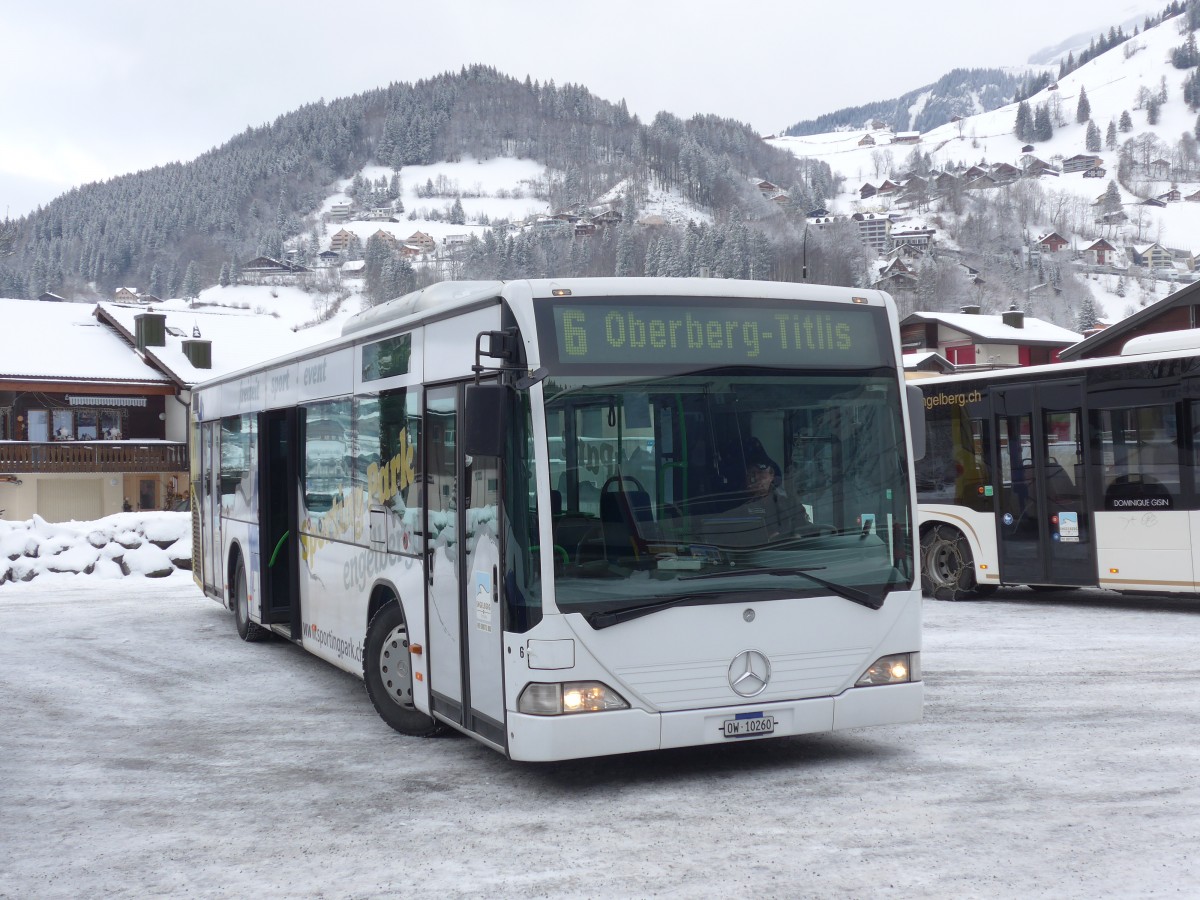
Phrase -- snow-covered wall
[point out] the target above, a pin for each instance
(149, 544)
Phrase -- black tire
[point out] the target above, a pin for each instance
(387, 672)
(947, 567)
(250, 632)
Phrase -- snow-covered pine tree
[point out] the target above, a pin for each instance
(1083, 111)
(1043, 128)
(1191, 90)
(191, 282)
(1024, 125)
(1111, 201)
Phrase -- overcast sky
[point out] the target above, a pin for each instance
(94, 90)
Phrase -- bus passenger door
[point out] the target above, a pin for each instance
(210, 506)
(278, 517)
(1044, 519)
(462, 575)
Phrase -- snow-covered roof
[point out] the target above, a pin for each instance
(64, 341)
(994, 328)
(239, 338)
(914, 361)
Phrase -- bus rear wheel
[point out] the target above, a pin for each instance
(387, 672)
(947, 567)
(248, 631)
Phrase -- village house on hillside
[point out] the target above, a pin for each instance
(1052, 242)
(896, 275)
(262, 267)
(1152, 256)
(387, 238)
(342, 241)
(1081, 162)
(1101, 253)
(421, 240)
(1005, 173)
(919, 237)
(874, 230)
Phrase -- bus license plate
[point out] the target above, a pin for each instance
(748, 725)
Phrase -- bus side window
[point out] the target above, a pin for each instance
(327, 456)
(1140, 454)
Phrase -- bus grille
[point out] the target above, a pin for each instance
(701, 683)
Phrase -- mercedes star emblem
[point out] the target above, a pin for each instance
(749, 673)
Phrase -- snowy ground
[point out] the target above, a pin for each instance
(146, 750)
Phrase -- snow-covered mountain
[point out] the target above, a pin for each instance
(1154, 156)
(961, 92)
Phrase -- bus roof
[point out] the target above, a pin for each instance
(436, 296)
(447, 296)
(1163, 342)
(1052, 370)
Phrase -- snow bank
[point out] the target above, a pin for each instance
(150, 544)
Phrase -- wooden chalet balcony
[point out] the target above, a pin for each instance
(92, 456)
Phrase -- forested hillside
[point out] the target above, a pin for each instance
(173, 228)
(960, 92)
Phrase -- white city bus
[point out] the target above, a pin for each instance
(1079, 474)
(520, 510)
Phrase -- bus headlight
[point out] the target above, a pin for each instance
(895, 669)
(569, 697)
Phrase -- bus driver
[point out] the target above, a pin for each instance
(765, 502)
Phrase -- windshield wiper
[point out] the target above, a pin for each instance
(842, 590)
(617, 616)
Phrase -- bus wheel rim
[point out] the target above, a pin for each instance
(395, 673)
(947, 563)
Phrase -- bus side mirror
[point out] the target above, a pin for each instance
(916, 419)
(484, 427)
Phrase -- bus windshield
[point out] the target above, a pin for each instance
(717, 485)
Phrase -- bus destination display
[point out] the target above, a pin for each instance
(746, 335)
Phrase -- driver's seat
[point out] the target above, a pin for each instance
(622, 510)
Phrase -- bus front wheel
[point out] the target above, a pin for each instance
(248, 631)
(387, 671)
(947, 567)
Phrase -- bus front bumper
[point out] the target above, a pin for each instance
(547, 738)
